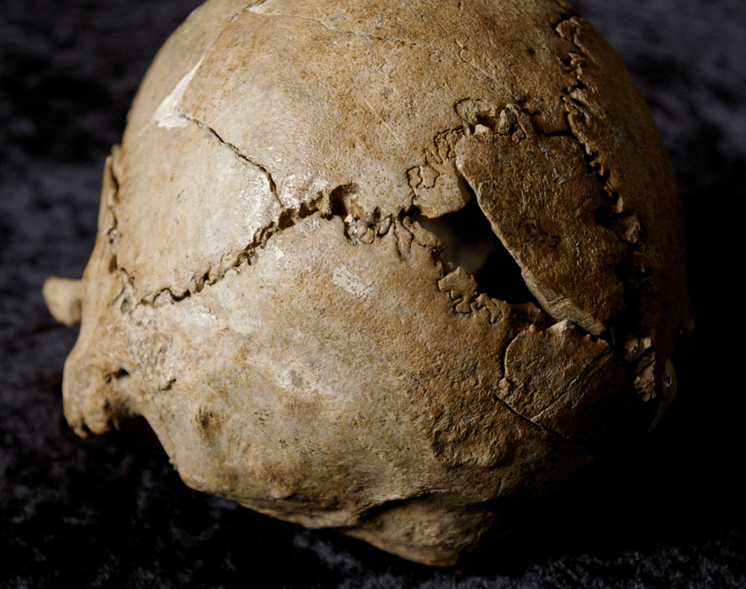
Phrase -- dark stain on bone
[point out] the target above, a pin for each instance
(208, 423)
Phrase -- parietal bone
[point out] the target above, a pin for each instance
(400, 268)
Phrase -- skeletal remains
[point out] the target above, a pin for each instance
(269, 286)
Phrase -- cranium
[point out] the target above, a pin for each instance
(269, 287)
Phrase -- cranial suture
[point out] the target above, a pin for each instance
(399, 268)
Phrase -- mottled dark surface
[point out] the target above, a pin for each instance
(110, 511)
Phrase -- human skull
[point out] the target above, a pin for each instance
(269, 286)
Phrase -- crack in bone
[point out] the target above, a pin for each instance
(240, 155)
(505, 383)
(357, 230)
(540, 426)
(580, 377)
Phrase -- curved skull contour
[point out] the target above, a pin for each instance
(269, 286)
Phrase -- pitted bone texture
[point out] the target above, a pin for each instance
(261, 290)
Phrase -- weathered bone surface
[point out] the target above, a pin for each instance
(268, 286)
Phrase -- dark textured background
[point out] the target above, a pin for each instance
(110, 512)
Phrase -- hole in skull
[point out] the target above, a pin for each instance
(342, 202)
(471, 243)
